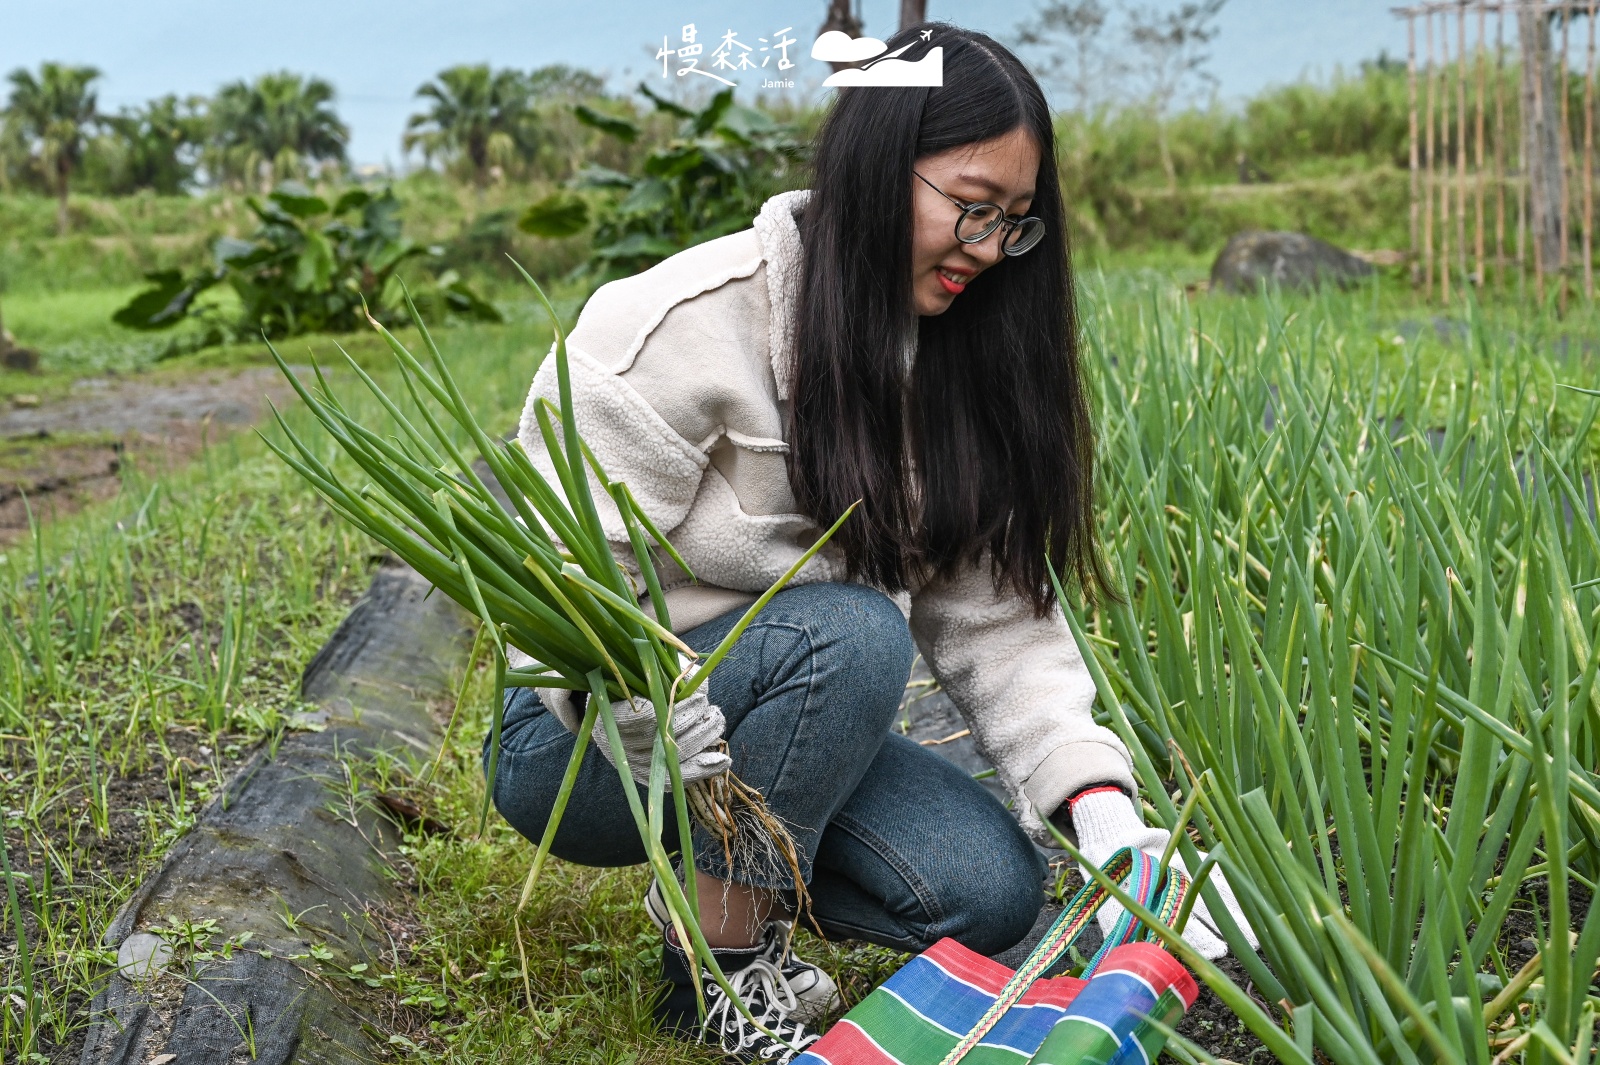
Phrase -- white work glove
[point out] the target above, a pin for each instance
(1105, 822)
(697, 725)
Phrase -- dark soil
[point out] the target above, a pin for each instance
(1212, 1025)
(178, 771)
(64, 454)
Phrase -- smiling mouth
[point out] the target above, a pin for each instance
(953, 283)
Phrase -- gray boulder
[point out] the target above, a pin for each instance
(1292, 260)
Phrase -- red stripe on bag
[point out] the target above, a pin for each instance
(983, 973)
(990, 976)
(1056, 991)
(849, 1045)
(1155, 967)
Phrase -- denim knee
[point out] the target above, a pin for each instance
(857, 623)
(993, 912)
(522, 706)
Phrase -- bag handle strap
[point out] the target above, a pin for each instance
(1164, 900)
(1138, 873)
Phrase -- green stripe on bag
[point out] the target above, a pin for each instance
(908, 1036)
(901, 1031)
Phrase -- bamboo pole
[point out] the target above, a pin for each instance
(1444, 158)
(1535, 57)
(1499, 147)
(1565, 157)
(1588, 162)
(1411, 103)
(1483, 277)
(1461, 142)
(1524, 187)
(1427, 207)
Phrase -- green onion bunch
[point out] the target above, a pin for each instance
(1360, 647)
(542, 578)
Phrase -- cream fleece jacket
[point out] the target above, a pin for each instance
(679, 383)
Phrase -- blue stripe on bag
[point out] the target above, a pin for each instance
(952, 1004)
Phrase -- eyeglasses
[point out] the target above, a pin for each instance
(980, 219)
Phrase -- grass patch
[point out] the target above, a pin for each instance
(593, 957)
(119, 714)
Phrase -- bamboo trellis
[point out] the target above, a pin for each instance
(1487, 124)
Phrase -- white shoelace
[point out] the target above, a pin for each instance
(761, 983)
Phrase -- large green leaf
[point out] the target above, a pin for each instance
(560, 214)
(231, 251)
(352, 200)
(647, 197)
(664, 104)
(620, 128)
(166, 302)
(380, 217)
(637, 244)
(465, 302)
(674, 161)
(271, 212)
(601, 177)
(314, 269)
(297, 200)
(712, 113)
(746, 123)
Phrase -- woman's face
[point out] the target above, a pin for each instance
(1000, 170)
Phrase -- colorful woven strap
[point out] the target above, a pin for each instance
(1164, 900)
(1134, 870)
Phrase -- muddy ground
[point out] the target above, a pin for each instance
(63, 453)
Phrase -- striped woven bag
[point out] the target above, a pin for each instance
(950, 1005)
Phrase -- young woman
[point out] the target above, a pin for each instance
(901, 333)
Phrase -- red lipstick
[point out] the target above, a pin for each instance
(950, 286)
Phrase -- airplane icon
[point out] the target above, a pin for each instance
(927, 35)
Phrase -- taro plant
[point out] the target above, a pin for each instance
(706, 181)
(1360, 647)
(541, 576)
(310, 267)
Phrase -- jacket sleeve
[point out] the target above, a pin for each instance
(1020, 683)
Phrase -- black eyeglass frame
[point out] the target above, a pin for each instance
(1003, 220)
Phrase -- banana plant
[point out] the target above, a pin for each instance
(709, 179)
(310, 266)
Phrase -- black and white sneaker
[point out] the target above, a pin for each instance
(760, 986)
(812, 988)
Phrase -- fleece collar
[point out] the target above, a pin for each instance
(777, 227)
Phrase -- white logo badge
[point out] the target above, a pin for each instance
(836, 46)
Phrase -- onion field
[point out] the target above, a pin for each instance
(1355, 655)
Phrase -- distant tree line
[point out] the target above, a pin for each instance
(477, 123)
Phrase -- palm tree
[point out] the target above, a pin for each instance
(557, 80)
(477, 114)
(54, 112)
(156, 146)
(279, 124)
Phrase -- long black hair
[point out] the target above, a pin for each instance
(990, 442)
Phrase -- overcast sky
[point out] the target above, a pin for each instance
(376, 52)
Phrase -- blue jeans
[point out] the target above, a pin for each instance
(897, 846)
